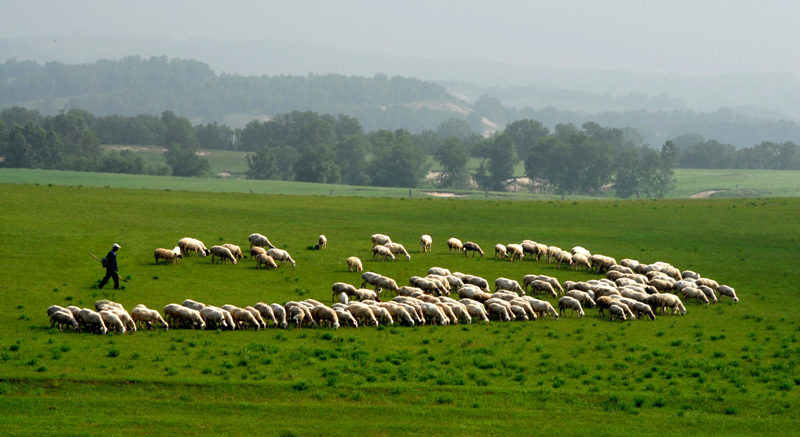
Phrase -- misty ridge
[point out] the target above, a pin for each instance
(234, 82)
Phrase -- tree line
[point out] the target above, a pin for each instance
(311, 147)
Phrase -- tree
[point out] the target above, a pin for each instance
(272, 163)
(498, 159)
(453, 157)
(398, 162)
(186, 162)
(525, 133)
(351, 157)
(317, 165)
(664, 177)
(454, 128)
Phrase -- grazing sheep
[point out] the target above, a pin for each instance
(472, 247)
(145, 316)
(582, 297)
(266, 261)
(538, 286)
(398, 248)
(508, 284)
(186, 244)
(92, 319)
(256, 251)
(362, 313)
(483, 284)
(112, 321)
(354, 264)
(170, 311)
(694, 293)
(712, 297)
(425, 243)
(571, 303)
(168, 255)
(563, 257)
(260, 241)
(266, 313)
(500, 251)
(346, 318)
(257, 315)
(618, 312)
(244, 318)
(236, 251)
(328, 315)
(63, 317)
(341, 287)
(665, 300)
(725, 290)
(579, 260)
(478, 312)
(439, 271)
(385, 283)
(280, 315)
(189, 317)
(223, 253)
(362, 294)
(662, 285)
(502, 312)
(515, 251)
(370, 278)
(382, 252)
(642, 309)
(53, 308)
(399, 313)
(454, 243)
(551, 252)
(322, 243)
(433, 312)
(519, 313)
(688, 274)
(380, 239)
(541, 307)
(381, 314)
(282, 256)
(524, 304)
(602, 263)
(214, 317)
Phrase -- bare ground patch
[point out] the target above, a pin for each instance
(705, 194)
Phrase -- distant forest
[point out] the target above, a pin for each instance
(134, 86)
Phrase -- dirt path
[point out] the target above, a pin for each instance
(705, 194)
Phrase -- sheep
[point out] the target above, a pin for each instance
(616, 310)
(282, 256)
(300, 314)
(444, 284)
(515, 251)
(694, 293)
(408, 291)
(459, 310)
(256, 315)
(602, 262)
(508, 284)
(578, 260)
(382, 252)
(104, 304)
(243, 318)
(542, 286)
(727, 291)
(524, 304)
(425, 243)
(112, 321)
(541, 307)
(448, 312)
(63, 317)
(519, 313)
(322, 243)
(530, 247)
(503, 313)
(426, 285)
(571, 303)
(297, 315)
(582, 297)
(170, 311)
(190, 317)
(362, 313)
(54, 308)
(256, 251)
(91, 318)
(552, 281)
(551, 252)
(478, 311)
(188, 303)
(382, 314)
(280, 315)
(260, 241)
(385, 283)
(223, 253)
(346, 318)
(688, 274)
(454, 243)
(712, 297)
(439, 271)
(398, 312)
(266, 313)
(398, 248)
(354, 264)
(236, 251)
(322, 313)
(641, 309)
(143, 315)
(454, 282)
(472, 247)
(662, 285)
(363, 294)
(214, 317)
(563, 257)
(168, 255)
(483, 284)
(500, 251)
(664, 301)
(186, 244)
(434, 312)
(380, 239)
(266, 261)
(341, 287)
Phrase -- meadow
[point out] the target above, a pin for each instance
(721, 369)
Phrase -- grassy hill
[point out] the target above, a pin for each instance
(720, 369)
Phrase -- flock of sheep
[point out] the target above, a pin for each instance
(628, 290)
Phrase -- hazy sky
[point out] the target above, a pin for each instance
(691, 37)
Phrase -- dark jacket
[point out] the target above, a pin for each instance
(111, 264)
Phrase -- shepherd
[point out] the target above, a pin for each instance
(111, 267)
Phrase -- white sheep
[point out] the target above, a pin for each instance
(563, 257)
(469, 246)
(112, 321)
(256, 315)
(616, 311)
(168, 255)
(582, 297)
(478, 311)
(433, 312)
(236, 251)
(363, 294)
(380, 239)
(362, 313)
(340, 287)
(53, 308)
(694, 293)
(515, 251)
(481, 283)
(280, 315)
(538, 286)
(454, 243)
(243, 318)
(382, 252)
(322, 243)
(260, 241)
(143, 315)
(189, 317)
(223, 253)
(425, 243)
(266, 261)
(214, 317)
(282, 256)
(579, 259)
(541, 307)
(354, 264)
(727, 291)
(382, 314)
(398, 248)
(346, 318)
(571, 303)
(63, 317)
(500, 251)
(186, 244)
(439, 271)
(90, 318)
(398, 313)
(665, 300)
(502, 312)
(321, 314)
(257, 250)
(508, 284)
(385, 283)
(551, 252)
(188, 303)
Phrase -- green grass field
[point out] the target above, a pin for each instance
(720, 369)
